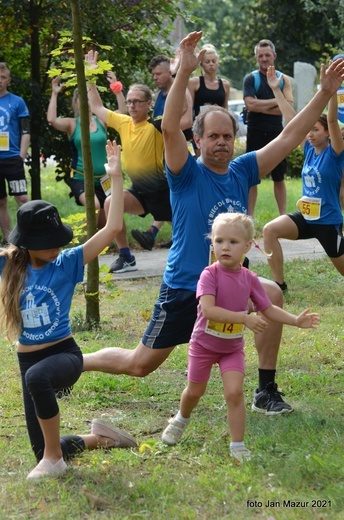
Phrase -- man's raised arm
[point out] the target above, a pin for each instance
(176, 151)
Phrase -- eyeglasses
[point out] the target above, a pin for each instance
(135, 102)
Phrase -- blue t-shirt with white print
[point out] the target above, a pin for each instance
(47, 296)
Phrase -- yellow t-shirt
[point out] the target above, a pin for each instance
(143, 151)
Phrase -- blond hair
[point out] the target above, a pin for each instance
(11, 285)
(237, 219)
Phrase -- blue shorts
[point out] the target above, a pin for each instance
(173, 318)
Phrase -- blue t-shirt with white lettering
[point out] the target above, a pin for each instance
(12, 109)
(198, 195)
(47, 296)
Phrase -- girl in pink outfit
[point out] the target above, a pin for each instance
(226, 291)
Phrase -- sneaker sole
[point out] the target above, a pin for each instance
(280, 412)
(125, 269)
(259, 410)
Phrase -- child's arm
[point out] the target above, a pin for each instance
(303, 320)
(114, 222)
(213, 312)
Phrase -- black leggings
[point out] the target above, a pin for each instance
(43, 372)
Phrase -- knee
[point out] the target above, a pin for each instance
(195, 392)
(274, 292)
(269, 231)
(21, 199)
(35, 381)
(234, 396)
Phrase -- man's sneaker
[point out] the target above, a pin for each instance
(269, 401)
(144, 238)
(123, 264)
(174, 431)
(240, 453)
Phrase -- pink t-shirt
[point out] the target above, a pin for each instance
(232, 290)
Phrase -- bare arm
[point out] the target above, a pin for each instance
(62, 124)
(24, 145)
(122, 107)
(186, 119)
(286, 109)
(215, 313)
(94, 100)
(263, 106)
(333, 126)
(176, 151)
(227, 87)
(303, 320)
(273, 153)
(95, 245)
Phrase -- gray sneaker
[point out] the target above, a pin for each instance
(123, 264)
(269, 401)
(174, 431)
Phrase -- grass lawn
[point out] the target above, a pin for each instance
(297, 467)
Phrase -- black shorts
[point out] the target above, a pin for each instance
(173, 319)
(12, 171)
(256, 140)
(77, 187)
(155, 203)
(329, 235)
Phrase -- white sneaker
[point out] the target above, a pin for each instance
(45, 468)
(174, 431)
(240, 453)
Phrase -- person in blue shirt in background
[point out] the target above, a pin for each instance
(14, 144)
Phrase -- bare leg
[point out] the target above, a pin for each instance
(138, 362)
(51, 433)
(5, 219)
(339, 263)
(281, 227)
(268, 342)
(190, 397)
(252, 199)
(233, 389)
(280, 192)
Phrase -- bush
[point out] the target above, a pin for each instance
(294, 163)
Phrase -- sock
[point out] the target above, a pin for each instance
(265, 377)
(236, 444)
(153, 231)
(125, 251)
(182, 419)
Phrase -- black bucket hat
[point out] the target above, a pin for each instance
(39, 226)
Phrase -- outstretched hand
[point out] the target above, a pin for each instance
(113, 167)
(91, 59)
(307, 321)
(273, 80)
(189, 59)
(332, 77)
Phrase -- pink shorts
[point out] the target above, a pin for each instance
(201, 361)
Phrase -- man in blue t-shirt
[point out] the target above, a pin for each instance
(199, 191)
(14, 143)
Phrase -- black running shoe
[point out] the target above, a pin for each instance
(269, 401)
(123, 264)
(144, 238)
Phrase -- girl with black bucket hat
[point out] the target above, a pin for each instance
(37, 286)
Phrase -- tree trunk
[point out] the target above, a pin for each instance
(92, 291)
